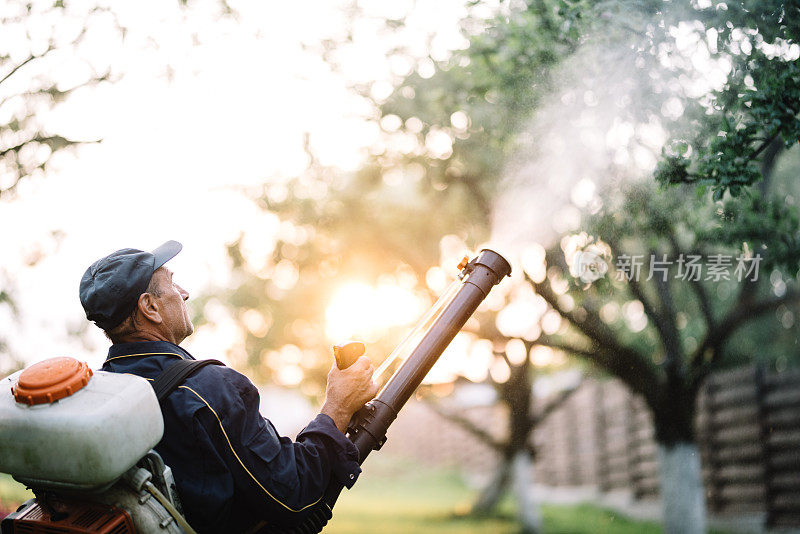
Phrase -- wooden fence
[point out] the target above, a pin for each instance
(602, 436)
(748, 429)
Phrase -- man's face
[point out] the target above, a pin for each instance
(172, 306)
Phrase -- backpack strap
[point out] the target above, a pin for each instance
(174, 375)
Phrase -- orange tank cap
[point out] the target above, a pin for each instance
(50, 380)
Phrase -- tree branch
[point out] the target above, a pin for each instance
(738, 316)
(591, 326)
(503, 355)
(624, 362)
(763, 145)
(705, 302)
(16, 68)
(658, 319)
(547, 341)
(671, 337)
(696, 285)
(634, 372)
(466, 424)
(649, 308)
(27, 60)
(59, 94)
(555, 403)
(55, 142)
(712, 344)
(768, 163)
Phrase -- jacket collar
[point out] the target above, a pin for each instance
(147, 348)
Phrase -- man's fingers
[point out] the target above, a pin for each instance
(362, 363)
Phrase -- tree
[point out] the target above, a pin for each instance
(45, 58)
(51, 51)
(746, 125)
(515, 450)
(369, 224)
(666, 72)
(449, 137)
(41, 33)
(360, 229)
(684, 328)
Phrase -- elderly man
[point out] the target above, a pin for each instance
(232, 470)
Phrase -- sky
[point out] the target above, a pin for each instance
(206, 109)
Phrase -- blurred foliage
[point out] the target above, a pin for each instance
(757, 108)
(448, 135)
(359, 231)
(494, 86)
(449, 131)
(50, 51)
(44, 58)
(682, 325)
(39, 32)
(12, 493)
(390, 217)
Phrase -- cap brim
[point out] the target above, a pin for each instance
(166, 252)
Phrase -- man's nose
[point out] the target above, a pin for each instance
(183, 293)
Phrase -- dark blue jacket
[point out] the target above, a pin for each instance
(231, 468)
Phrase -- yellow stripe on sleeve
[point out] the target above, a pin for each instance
(240, 461)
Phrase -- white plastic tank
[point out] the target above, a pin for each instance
(61, 425)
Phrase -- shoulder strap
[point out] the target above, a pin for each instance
(174, 375)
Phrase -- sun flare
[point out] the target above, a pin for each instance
(362, 311)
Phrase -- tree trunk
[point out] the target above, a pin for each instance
(528, 513)
(492, 494)
(682, 488)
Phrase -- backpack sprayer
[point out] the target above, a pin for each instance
(80, 440)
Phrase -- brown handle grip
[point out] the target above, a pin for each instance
(347, 353)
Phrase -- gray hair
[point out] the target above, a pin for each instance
(128, 325)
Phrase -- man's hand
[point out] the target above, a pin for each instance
(348, 390)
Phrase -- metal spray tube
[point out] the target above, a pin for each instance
(367, 429)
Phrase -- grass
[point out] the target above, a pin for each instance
(12, 494)
(402, 498)
(397, 499)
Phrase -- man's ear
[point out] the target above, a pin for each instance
(148, 307)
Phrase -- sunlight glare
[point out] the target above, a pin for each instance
(465, 356)
(361, 311)
(542, 356)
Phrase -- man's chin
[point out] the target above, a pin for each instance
(188, 332)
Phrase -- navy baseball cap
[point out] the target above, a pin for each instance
(111, 286)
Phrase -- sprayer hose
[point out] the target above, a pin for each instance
(171, 509)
